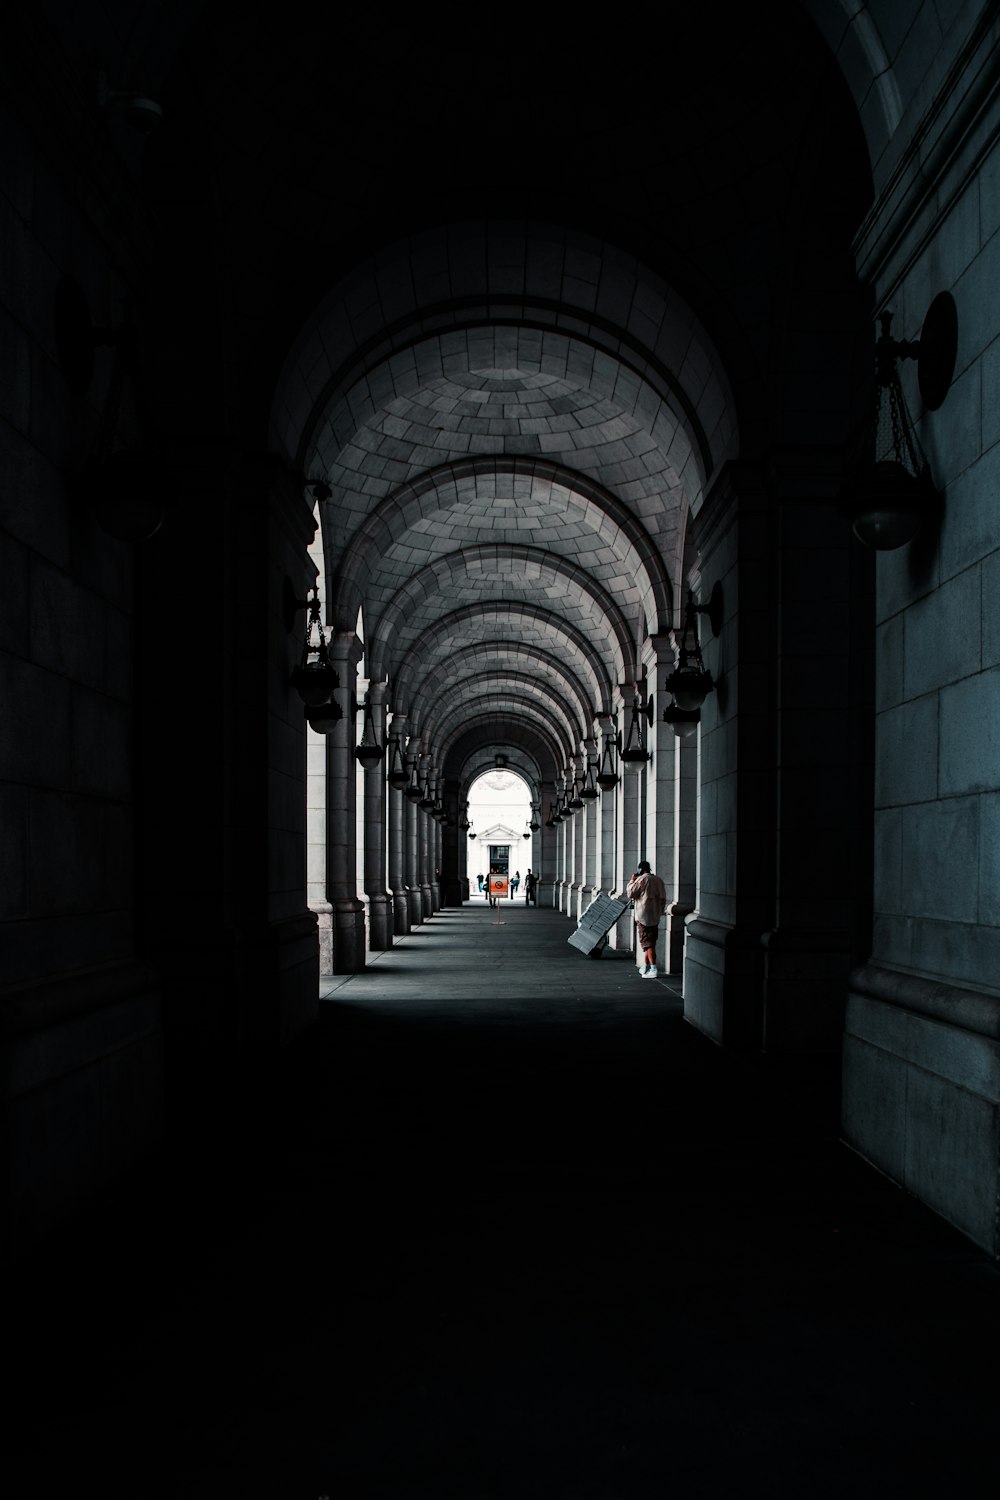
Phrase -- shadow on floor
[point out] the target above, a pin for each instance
(480, 1253)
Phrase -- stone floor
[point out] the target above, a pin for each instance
(510, 1230)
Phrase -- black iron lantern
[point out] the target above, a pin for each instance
(683, 721)
(315, 677)
(413, 792)
(323, 716)
(369, 752)
(575, 803)
(607, 776)
(889, 492)
(690, 682)
(635, 753)
(589, 791)
(396, 775)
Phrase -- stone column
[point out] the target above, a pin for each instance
(411, 814)
(380, 923)
(396, 813)
(454, 849)
(734, 537)
(590, 824)
(607, 822)
(659, 659)
(631, 798)
(548, 853)
(425, 823)
(341, 821)
(685, 848)
(434, 849)
(564, 841)
(807, 954)
(577, 842)
(316, 821)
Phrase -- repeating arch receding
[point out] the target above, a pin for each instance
(573, 513)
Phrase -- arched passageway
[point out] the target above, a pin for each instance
(517, 342)
(518, 337)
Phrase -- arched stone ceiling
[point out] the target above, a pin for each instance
(515, 417)
(500, 625)
(531, 297)
(514, 500)
(510, 690)
(514, 421)
(488, 659)
(472, 751)
(502, 575)
(514, 461)
(493, 709)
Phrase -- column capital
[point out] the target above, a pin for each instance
(345, 649)
(659, 649)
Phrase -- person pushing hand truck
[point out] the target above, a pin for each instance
(648, 895)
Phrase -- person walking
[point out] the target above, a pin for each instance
(648, 895)
(480, 879)
(515, 883)
(530, 882)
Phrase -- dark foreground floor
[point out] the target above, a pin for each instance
(492, 1246)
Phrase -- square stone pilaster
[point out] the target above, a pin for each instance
(733, 540)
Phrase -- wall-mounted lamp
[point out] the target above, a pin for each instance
(691, 682)
(472, 835)
(527, 831)
(396, 774)
(314, 678)
(368, 751)
(413, 792)
(588, 791)
(463, 821)
(607, 776)
(890, 492)
(533, 822)
(635, 753)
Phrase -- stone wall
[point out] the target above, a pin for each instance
(922, 1067)
(80, 1019)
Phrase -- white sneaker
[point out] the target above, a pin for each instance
(650, 972)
